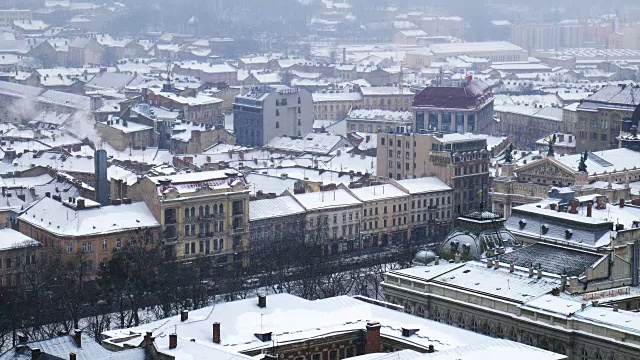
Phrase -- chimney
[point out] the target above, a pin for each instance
(621, 203)
(496, 264)
(80, 204)
(77, 337)
(262, 300)
(373, 338)
(615, 307)
(184, 315)
(512, 268)
(553, 206)
(173, 341)
(35, 353)
(583, 306)
(436, 261)
(72, 356)
(47, 194)
(148, 339)
(573, 207)
(102, 183)
(458, 258)
(539, 273)
(431, 349)
(489, 263)
(589, 210)
(216, 332)
(530, 272)
(563, 280)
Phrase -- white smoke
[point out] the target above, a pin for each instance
(82, 125)
(22, 111)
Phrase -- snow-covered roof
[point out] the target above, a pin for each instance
(56, 218)
(473, 47)
(312, 142)
(289, 318)
(206, 67)
(380, 115)
(11, 239)
(274, 208)
(115, 172)
(423, 185)
(336, 96)
(496, 349)
(191, 100)
(614, 160)
(327, 199)
(379, 192)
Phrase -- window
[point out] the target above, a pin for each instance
(193, 212)
(207, 247)
(193, 247)
(186, 212)
(221, 209)
(201, 246)
(384, 209)
(87, 247)
(69, 249)
(382, 141)
(186, 230)
(186, 249)
(335, 219)
(333, 355)
(104, 244)
(344, 217)
(8, 263)
(277, 125)
(277, 112)
(118, 244)
(207, 210)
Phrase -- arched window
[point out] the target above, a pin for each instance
(207, 210)
(201, 210)
(193, 212)
(186, 212)
(215, 208)
(221, 209)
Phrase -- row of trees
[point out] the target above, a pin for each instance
(140, 284)
(57, 293)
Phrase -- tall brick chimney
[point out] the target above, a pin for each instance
(173, 341)
(262, 300)
(373, 338)
(184, 315)
(621, 203)
(589, 210)
(35, 353)
(216, 332)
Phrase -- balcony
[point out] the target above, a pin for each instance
(238, 230)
